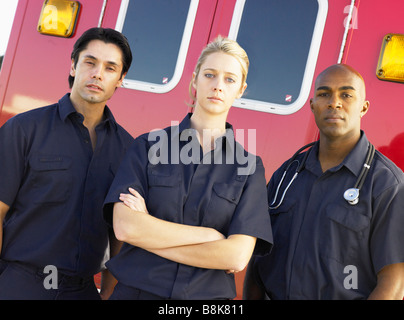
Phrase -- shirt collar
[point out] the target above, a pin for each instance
(353, 161)
(356, 158)
(227, 139)
(66, 108)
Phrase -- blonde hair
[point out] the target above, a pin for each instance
(225, 45)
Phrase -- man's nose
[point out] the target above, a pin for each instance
(334, 102)
(97, 72)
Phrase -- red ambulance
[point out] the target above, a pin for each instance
(289, 42)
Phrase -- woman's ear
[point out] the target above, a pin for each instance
(242, 91)
(194, 80)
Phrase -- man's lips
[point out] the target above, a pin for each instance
(333, 118)
(95, 87)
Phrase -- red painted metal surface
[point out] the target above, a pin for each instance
(36, 67)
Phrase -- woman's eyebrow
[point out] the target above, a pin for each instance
(212, 69)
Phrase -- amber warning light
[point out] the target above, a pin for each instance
(391, 60)
(58, 18)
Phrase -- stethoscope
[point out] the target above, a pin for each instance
(351, 195)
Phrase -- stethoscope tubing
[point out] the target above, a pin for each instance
(366, 167)
(351, 195)
(300, 167)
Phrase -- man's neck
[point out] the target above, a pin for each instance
(93, 114)
(333, 151)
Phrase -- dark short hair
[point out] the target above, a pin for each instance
(106, 35)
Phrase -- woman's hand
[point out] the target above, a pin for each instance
(134, 201)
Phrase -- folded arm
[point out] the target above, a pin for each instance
(133, 224)
(230, 254)
(195, 246)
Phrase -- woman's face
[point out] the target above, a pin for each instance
(218, 83)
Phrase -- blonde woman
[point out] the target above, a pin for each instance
(197, 210)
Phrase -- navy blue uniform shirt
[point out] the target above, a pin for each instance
(207, 194)
(325, 248)
(55, 185)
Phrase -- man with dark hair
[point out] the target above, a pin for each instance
(106, 36)
(56, 166)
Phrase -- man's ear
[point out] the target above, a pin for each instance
(365, 108)
(311, 105)
(72, 69)
(120, 81)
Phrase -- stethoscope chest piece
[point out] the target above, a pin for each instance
(352, 196)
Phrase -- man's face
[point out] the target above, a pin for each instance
(97, 73)
(339, 103)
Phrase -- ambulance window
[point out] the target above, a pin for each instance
(282, 39)
(158, 32)
(7, 13)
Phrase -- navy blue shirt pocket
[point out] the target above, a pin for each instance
(282, 222)
(352, 217)
(222, 205)
(51, 178)
(162, 200)
(345, 231)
